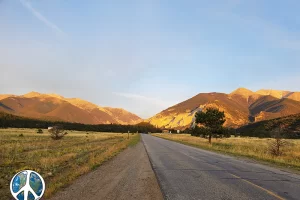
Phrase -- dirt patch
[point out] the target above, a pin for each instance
(127, 176)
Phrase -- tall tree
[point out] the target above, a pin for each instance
(213, 119)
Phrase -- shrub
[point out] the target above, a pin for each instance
(277, 144)
(187, 130)
(39, 131)
(57, 132)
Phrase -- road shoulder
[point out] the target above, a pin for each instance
(127, 176)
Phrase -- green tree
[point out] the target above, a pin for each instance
(200, 132)
(213, 119)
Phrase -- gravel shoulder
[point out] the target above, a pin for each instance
(127, 176)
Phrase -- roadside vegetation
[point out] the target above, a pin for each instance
(58, 161)
(256, 148)
(209, 124)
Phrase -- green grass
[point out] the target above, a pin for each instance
(59, 162)
(254, 148)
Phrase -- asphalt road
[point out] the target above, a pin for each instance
(185, 172)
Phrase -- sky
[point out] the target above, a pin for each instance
(147, 55)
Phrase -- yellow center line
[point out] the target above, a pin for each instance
(257, 186)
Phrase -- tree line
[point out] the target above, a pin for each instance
(13, 121)
(289, 126)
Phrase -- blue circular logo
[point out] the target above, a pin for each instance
(27, 185)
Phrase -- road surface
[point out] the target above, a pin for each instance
(185, 172)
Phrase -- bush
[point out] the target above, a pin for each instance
(278, 143)
(39, 131)
(187, 130)
(57, 133)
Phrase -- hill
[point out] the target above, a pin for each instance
(241, 107)
(291, 126)
(56, 107)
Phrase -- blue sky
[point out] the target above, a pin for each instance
(146, 55)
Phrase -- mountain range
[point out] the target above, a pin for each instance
(241, 107)
(56, 107)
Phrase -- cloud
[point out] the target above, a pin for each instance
(43, 19)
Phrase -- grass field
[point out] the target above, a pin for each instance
(60, 161)
(255, 148)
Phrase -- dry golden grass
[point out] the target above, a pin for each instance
(58, 161)
(249, 147)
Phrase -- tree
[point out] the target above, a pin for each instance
(200, 132)
(57, 132)
(213, 119)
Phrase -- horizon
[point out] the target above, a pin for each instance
(145, 56)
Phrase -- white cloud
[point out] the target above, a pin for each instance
(43, 19)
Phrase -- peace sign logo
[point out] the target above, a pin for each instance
(27, 185)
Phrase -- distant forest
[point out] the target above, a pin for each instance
(290, 124)
(13, 121)
(259, 129)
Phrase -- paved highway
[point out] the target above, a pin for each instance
(189, 173)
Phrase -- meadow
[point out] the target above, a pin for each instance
(255, 148)
(59, 161)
